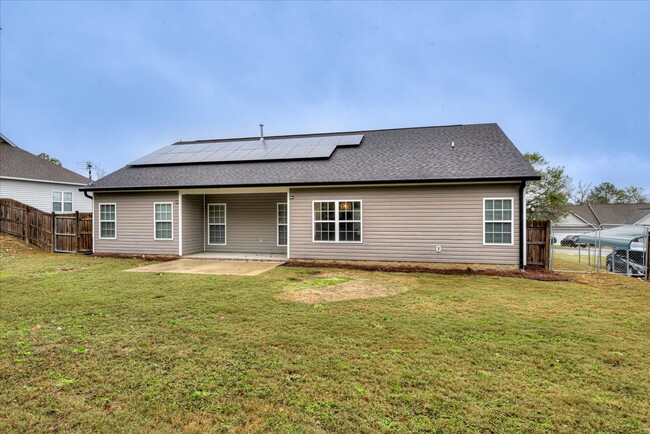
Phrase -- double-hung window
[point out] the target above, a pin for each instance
(107, 221)
(337, 221)
(62, 201)
(163, 221)
(282, 224)
(497, 221)
(217, 223)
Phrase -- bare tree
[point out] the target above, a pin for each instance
(100, 172)
(581, 193)
(635, 194)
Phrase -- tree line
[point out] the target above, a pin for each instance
(550, 197)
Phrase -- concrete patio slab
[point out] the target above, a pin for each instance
(199, 266)
(273, 257)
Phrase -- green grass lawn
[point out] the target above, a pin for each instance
(569, 262)
(560, 247)
(86, 347)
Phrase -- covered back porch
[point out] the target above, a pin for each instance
(235, 224)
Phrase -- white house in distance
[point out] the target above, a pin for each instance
(39, 183)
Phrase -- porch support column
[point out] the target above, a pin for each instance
(180, 224)
(288, 224)
(523, 248)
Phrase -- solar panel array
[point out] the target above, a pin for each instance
(249, 150)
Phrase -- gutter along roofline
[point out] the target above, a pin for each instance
(322, 184)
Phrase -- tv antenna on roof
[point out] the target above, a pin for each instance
(89, 166)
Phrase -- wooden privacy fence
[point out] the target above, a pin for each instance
(73, 233)
(70, 233)
(538, 242)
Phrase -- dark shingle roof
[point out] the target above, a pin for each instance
(18, 163)
(482, 152)
(611, 213)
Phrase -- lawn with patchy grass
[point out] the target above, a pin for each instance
(567, 262)
(86, 347)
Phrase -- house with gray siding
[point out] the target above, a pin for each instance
(39, 183)
(437, 194)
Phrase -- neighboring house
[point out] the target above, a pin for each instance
(588, 217)
(443, 194)
(39, 183)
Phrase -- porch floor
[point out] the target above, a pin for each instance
(266, 257)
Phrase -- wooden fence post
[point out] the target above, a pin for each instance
(25, 214)
(76, 247)
(547, 244)
(53, 239)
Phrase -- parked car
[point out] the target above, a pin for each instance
(571, 241)
(634, 258)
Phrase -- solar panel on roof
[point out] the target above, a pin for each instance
(249, 150)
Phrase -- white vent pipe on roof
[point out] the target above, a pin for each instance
(262, 132)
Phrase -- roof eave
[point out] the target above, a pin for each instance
(46, 181)
(318, 184)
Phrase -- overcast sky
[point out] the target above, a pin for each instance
(110, 82)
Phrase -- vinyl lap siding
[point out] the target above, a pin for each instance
(193, 230)
(135, 224)
(39, 194)
(251, 222)
(407, 223)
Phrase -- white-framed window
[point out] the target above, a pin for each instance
(62, 201)
(216, 223)
(337, 221)
(107, 221)
(283, 220)
(498, 221)
(163, 221)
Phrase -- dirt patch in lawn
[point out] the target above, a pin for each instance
(339, 288)
(533, 273)
(64, 269)
(11, 247)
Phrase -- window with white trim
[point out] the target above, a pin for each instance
(497, 224)
(282, 224)
(217, 223)
(337, 221)
(62, 201)
(163, 221)
(107, 221)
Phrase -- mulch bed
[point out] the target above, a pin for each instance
(533, 273)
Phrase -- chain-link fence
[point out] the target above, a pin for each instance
(619, 249)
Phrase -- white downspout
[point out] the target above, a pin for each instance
(93, 240)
